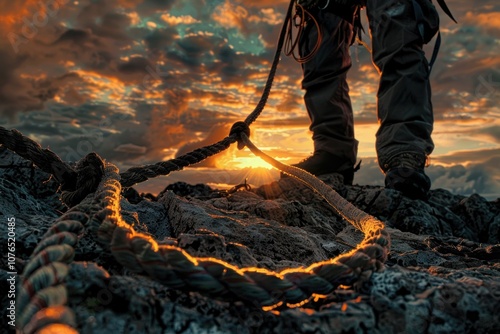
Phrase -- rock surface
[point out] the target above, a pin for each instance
(442, 275)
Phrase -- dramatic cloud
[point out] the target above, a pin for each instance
(140, 81)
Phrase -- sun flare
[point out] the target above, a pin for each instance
(250, 162)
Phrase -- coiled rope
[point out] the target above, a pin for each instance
(43, 283)
(299, 21)
(42, 296)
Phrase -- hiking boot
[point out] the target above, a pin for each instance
(405, 173)
(322, 162)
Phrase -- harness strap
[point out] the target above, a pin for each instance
(445, 9)
(435, 51)
(419, 16)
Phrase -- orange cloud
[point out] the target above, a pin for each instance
(488, 20)
(267, 15)
(262, 3)
(12, 12)
(176, 20)
(229, 15)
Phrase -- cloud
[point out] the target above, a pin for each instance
(216, 133)
(475, 178)
(176, 20)
(160, 39)
(468, 156)
(491, 132)
(149, 7)
(478, 177)
(231, 15)
(490, 21)
(131, 148)
(139, 81)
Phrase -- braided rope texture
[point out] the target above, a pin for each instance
(358, 218)
(143, 173)
(43, 295)
(175, 268)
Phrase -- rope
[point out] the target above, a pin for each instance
(89, 171)
(143, 173)
(358, 218)
(43, 291)
(302, 15)
(175, 268)
(45, 159)
(75, 183)
(42, 296)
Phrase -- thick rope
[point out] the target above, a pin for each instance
(175, 268)
(358, 218)
(143, 173)
(43, 291)
(42, 296)
(89, 170)
(76, 183)
(45, 159)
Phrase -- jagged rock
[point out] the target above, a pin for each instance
(442, 275)
(478, 215)
(266, 237)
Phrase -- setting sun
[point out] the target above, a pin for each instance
(250, 162)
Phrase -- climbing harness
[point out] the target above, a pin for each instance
(92, 191)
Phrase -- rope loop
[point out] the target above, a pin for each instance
(237, 129)
(90, 171)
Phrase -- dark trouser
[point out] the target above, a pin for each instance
(404, 96)
(326, 90)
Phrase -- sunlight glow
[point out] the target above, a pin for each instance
(252, 162)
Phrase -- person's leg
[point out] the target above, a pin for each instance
(327, 96)
(404, 107)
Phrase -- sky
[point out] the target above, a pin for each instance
(143, 81)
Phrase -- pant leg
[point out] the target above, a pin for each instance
(326, 90)
(404, 96)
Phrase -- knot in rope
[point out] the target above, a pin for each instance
(89, 172)
(237, 129)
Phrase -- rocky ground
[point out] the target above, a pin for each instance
(442, 275)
